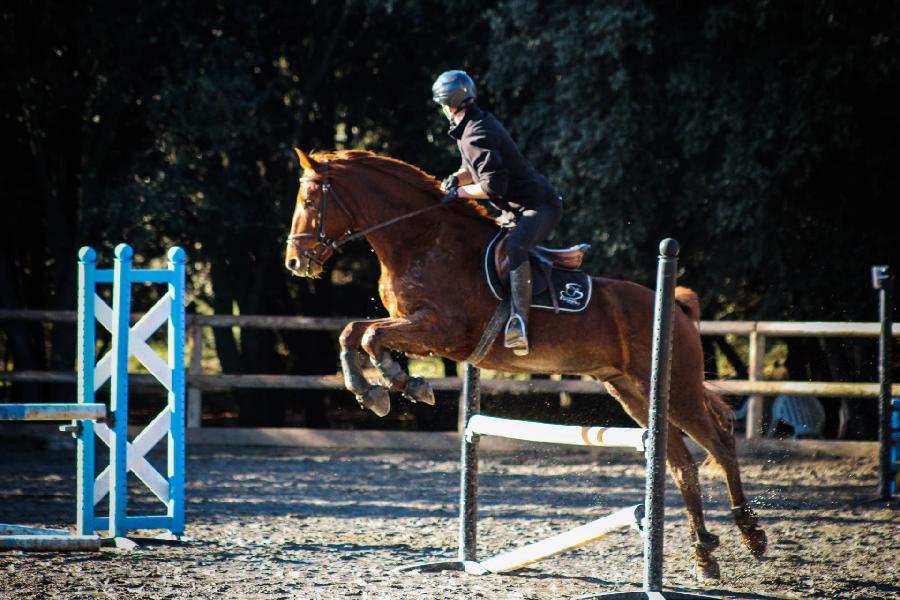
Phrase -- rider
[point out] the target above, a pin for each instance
(493, 169)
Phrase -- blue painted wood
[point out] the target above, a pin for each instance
(136, 276)
(51, 412)
(141, 522)
(176, 437)
(118, 464)
(103, 275)
(153, 275)
(86, 351)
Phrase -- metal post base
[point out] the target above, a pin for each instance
(469, 566)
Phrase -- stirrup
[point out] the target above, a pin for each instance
(516, 338)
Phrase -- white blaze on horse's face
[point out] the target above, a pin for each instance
(303, 255)
(299, 258)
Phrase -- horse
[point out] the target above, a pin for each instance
(433, 287)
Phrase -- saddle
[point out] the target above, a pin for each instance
(559, 258)
(558, 283)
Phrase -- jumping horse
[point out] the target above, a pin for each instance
(433, 287)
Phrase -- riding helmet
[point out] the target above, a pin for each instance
(453, 88)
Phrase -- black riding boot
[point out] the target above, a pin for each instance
(520, 304)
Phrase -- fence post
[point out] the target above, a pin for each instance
(755, 404)
(195, 395)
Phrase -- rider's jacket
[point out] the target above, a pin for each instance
(492, 159)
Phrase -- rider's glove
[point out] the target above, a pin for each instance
(451, 195)
(449, 183)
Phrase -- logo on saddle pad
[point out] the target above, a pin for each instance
(557, 289)
(571, 294)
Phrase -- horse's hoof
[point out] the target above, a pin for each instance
(748, 522)
(756, 541)
(377, 399)
(419, 390)
(709, 541)
(708, 571)
(705, 566)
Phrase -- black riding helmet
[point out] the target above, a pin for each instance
(453, 88)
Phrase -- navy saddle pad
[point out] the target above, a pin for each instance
(572, 288)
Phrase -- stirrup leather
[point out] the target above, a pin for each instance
(520, 303)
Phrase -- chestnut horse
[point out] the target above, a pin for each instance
(434, 289)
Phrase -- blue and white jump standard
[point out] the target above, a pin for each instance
(125, 457)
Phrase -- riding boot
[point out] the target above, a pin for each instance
(520, 304)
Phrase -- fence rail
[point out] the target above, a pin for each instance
(755, 386)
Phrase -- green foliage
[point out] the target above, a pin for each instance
(759, 135)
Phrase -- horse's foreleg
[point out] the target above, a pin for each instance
(400, 334)
(373, 397)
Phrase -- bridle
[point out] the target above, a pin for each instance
(316, 254)
(323, 242)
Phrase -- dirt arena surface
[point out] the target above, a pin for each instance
(271, 523)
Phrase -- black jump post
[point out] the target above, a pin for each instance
(883, 282)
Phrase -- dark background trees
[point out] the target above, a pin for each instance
(764, 137)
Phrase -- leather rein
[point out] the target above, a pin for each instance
(316, 254)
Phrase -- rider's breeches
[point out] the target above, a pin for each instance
(532, 227)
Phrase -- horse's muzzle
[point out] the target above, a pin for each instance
(303, 267)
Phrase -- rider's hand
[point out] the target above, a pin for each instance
(451, 195)
(450, 182)
(506, 219)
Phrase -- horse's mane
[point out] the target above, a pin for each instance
(405, 172)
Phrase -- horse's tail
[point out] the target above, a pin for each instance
(687, 299)
(722, 414)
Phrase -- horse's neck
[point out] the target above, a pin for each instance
(408, 237)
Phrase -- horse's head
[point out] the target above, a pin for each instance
(320, 220)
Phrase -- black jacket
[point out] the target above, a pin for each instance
(492, 159)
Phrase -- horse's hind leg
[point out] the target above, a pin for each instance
(683, 470)
(714, 435)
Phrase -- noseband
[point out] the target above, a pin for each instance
(316, 254)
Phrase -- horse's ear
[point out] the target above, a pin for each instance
(306, 162)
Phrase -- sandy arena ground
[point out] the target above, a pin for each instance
(271, 523)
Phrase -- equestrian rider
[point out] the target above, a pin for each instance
(493, 169)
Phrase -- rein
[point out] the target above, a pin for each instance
(316, 254)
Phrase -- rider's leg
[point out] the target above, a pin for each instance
(532, 227)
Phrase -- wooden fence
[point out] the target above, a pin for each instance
(755, 386)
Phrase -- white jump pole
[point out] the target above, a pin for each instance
(563, 542)
(574, 435)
